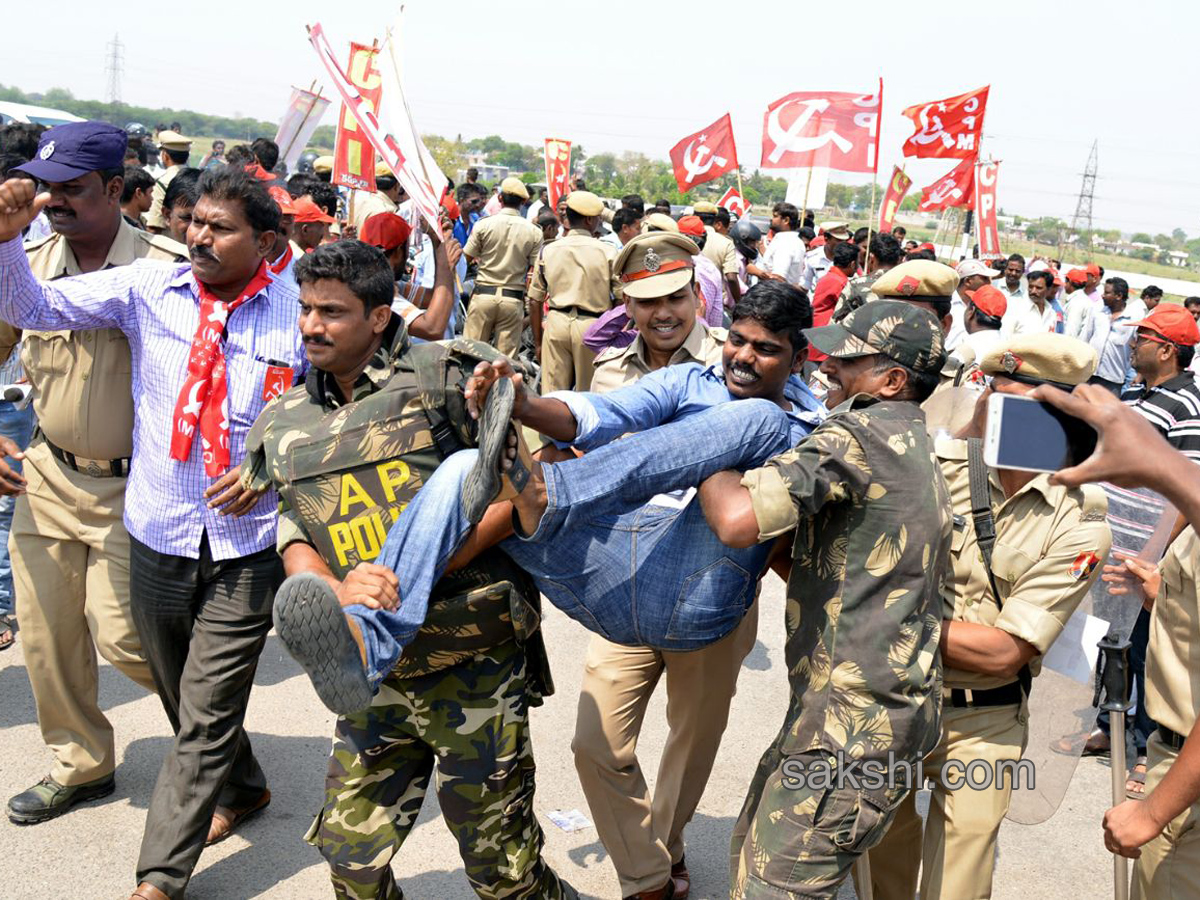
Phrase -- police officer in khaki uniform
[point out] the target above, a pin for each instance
(70, 550)
(173, 152)
(505, 247)
(720, 250)
(386, 198)
(576, 275)
(1048, 547)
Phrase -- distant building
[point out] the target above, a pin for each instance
(487, 172)
(1178, 258)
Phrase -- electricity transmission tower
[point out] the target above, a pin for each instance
(1083, 209)
(114, 67)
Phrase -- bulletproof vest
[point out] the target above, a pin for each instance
(348, 473)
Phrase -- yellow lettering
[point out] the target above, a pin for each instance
(363, 73)
(392, 475)
(342, 541)
(352, 493)
(366, 536)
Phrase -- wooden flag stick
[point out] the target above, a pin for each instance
(807, 185)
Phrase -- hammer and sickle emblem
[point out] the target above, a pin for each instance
(694, 162)
(789, 139)
(932, 129)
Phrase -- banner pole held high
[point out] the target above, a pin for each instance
(807, 185)
(740, 191)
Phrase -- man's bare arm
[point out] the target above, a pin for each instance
(728, 509)
(974, 647)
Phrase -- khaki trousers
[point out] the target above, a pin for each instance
(70, 565)
(567, 363)
(496, 320)
(956, 856)
(644, 836)
(1169, 867)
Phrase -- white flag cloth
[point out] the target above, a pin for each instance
(296, 128)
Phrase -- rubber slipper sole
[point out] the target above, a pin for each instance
(482, 483)
(310, 622)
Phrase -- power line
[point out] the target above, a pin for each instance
(113, 68)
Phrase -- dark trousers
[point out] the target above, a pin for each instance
(1140, 722)
(202, 624)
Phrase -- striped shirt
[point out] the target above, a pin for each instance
(157, 305)
(1174, 409)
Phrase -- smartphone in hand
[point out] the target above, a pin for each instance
(1032, 436)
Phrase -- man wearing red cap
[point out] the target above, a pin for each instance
(1093, 275)
(1078, 308)
(985, 307)
(310, 227)
(709, 280)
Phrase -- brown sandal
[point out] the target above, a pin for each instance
(225, 820)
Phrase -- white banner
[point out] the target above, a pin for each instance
(392, 132)
(296, 128)
(799, 184)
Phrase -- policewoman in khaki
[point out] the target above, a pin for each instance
(576, 274)
(70, 550)
(1048, 547)
(173, 152)
(506, 247)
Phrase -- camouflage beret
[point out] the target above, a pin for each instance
(900, 331)
(919, 279)
(1054, 358)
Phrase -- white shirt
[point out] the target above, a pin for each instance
(1111, 339)
(534, 208)
(1023, 317)
(958, 329)
(1081, 316)
(611, 239)
(1002, 286)
(816, 264)
(980, 343)
(785, 256)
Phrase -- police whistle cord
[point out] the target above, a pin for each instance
(1112, 681)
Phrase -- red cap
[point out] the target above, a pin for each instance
(691, 225)
(1093, 269)
(257, 171)
(387, 231)
(989, 300)
(306, 210)
(817, 242)
(1174, 323)
(451, 206)
(1077, 276)
(927, 246)
(282, 199)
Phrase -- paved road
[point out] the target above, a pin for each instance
(91, 852)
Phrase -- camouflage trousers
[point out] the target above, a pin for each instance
(793, 840)
(473, 719)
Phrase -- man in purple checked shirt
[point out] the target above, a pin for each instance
(211, 343)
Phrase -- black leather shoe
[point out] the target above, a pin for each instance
(48, 799)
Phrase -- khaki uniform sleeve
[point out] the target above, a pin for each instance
(537, 282)
(10, 336)
(535, 250)
(615, 284)
(154, 218)
(829, 466)
(1047, 593)
(729, 263)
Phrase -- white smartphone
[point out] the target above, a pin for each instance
(1023, 433)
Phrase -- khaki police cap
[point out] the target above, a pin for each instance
(659, 222)
(704, 207)
(655, 264)
(839, 230)
(514, 186)
(173, 140)
(919, 279)
(585, 203)
(1052, 358)
(323, 164)
(382, 168)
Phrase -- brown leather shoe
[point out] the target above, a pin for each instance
(224, 819)
(147, 891)
(666, 892)
(682, 879)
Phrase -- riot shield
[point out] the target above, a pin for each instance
(1061, 704)
(950, 409)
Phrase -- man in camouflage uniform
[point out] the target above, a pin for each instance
(347, 450)
(872, 520)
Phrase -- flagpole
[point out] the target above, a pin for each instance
(740, 191)
(807, 185)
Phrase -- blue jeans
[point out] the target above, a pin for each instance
(17, 425)
(632, 568)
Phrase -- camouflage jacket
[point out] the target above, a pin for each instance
(345, 471)
(873, 524)
(856, 292)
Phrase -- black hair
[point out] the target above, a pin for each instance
(107, 175)
(898, 232)
(845, 253)
(984, 320)
(1151, 291)
(385, 183)
(472, 172)
(860, 235)
(325, 196)
(723, 216)
(136, 179)
(239, 156)
(576, 219)
(1101, 268)
(266, 152)
(778, 307)
(788, 211)
(662, 203)
(300, 184)
(1016, 257)
(1120, 287)
(467, 188)
(21, 138)
(806, 234)
(941, 306)
(235, 183)
(184, 188)
(1192, 301)
(177, 157)
(1184, 354)
(920, 254)
(511, 201)
(921, 385)
(707, 218)
(545, 217)
(635, 203)
(362, 268)
(175, 126)
(624, 216)
(886, 248)
(9, 161)
(1046, 278)
(579, 185)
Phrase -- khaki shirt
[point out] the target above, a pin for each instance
(367, 205)
(1173, 660)
(82, 391)
(617, 367)
(576, 271)
(506, 246)
(155, 218)
(721, 251)
(1051, 543)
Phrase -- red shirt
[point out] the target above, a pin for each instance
(825, 298)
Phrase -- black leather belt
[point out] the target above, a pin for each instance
(1171, 738)
(96, 468)
(578, 310)
(1006, 695)
(513, 293)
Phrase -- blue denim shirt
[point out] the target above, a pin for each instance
(670, 393)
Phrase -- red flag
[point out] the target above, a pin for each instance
(705, 155)
(734, 202)
(832, 129)
(896, 190)
(949, 128)
(985, 210)
(956, 188)
(353, 154)
(558, 169)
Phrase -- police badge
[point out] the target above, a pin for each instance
(652, 261)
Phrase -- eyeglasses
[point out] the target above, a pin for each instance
(1146, 336)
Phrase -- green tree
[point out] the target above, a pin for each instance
(1141, 237)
